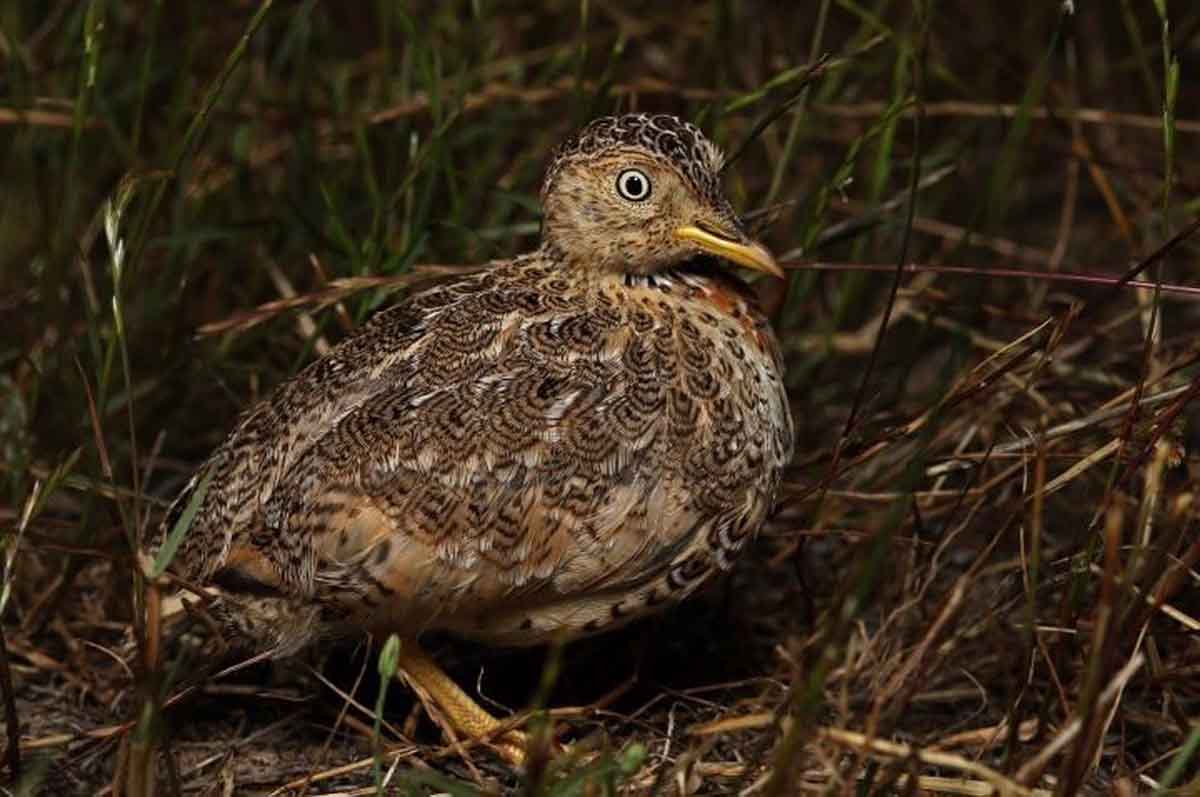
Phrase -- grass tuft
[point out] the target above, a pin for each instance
(984, 575)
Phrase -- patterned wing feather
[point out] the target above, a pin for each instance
(507, 456)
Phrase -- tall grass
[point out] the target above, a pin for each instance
(985, 565)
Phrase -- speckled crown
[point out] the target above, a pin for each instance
(668, 137)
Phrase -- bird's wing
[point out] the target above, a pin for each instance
(496, 439)
(538, 464)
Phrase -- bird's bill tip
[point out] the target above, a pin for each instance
(749, 254)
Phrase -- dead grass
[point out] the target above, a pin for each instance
(985, 575)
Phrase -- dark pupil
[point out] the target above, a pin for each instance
(633, 185)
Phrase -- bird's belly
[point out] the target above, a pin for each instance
(597, 586)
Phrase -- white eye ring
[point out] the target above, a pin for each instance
(633, 184)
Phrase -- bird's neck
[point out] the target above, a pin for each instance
(683, 277)
(700, 285)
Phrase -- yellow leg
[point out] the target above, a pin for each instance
(465, 715)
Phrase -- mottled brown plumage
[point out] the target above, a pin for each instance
(554, 446)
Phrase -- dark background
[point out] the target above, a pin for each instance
(975, 513)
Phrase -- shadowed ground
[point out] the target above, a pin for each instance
(985, 567)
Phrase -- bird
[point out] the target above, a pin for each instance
(549, 448)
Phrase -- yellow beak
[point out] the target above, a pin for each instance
(751, 255)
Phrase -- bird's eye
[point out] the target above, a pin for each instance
(633, 184)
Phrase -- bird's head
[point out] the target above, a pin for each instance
(641, 193)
